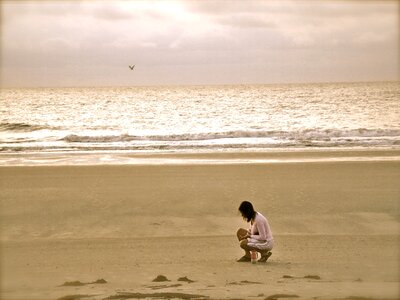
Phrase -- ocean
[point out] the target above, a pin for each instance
(187, 119)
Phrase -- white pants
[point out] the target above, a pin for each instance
(261, 245)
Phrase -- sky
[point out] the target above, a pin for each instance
(92, 43)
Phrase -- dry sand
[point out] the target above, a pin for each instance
(335, 221)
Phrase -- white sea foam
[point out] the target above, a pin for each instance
(310, 134)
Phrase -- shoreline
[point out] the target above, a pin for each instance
(245, 156)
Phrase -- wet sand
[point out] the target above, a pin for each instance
(336, 229)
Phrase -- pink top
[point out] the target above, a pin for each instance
(260, 229)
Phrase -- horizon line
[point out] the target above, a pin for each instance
(198, 84)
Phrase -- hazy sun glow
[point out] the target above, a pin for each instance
(197, 42)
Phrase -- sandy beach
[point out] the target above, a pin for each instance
(335, 224)
(132, 131)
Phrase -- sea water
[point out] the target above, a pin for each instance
(200, 118)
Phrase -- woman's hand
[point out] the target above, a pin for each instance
(245, 236)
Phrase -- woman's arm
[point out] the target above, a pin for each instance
(262, 231)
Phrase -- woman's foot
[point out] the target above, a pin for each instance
(264, 257)
(244, 258)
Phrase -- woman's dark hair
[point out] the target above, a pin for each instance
(247, 210)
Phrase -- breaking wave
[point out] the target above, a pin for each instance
(21, 127)
(309, 134)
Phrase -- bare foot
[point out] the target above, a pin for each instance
(264, 257)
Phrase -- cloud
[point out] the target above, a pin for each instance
(307, 23)
(262, 40)
(246, 21)
(112, 13)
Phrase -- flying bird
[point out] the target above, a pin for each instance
(131, 67)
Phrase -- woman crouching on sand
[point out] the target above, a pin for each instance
(258, 237)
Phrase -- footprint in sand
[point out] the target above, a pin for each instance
(185, 279)
(79, 283)
(278, 296)
(164, 286)
(160, 278)
(165, 295)
(75, 297)
(243, 282)
(73, 283)
(315, 277)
